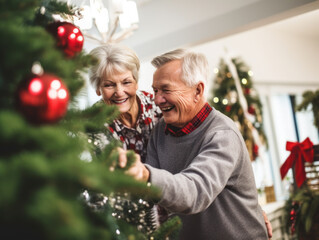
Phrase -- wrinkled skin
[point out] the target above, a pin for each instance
(179, 103)
(120, 89)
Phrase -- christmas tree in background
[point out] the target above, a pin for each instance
(229, 99)
(44, 143)
(311, 99)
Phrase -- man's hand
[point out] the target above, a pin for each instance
(137, 170)
(268, 225)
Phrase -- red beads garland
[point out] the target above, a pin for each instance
(293, 217)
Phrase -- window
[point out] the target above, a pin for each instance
(282, 124)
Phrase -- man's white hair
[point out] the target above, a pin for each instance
(194, 65)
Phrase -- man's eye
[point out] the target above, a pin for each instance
(165, 90)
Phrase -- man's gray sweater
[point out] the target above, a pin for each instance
(206, 178)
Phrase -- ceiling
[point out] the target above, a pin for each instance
(305, 24)
(167, 24)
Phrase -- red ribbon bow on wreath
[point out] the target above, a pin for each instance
(300, 153)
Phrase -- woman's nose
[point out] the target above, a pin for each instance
(119, 89)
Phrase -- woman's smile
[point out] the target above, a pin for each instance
(119, 101)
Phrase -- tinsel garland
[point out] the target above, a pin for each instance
(138, 212)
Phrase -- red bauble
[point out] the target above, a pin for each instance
(246, 91)
(228, 108)
(251, 110)
(69, 37)
(42, 99)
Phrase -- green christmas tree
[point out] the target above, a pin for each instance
(45, 140)
(311, 99)
(226, 97)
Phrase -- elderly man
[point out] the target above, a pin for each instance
(198, 158)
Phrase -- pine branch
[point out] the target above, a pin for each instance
(168, 230)
(90, 120)
(310, 99)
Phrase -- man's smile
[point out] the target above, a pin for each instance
(167, 109)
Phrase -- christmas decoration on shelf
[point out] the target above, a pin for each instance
(42, 98)
(234, 95)
(69, 37)
(293, 216)
(302, 207)
(42, 169)
(300, 153)
(302, 214)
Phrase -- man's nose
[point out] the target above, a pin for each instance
(159, 99)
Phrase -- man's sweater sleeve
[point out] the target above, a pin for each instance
(193, 189)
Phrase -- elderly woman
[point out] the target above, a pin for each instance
(115, 78)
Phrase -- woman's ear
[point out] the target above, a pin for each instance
(98, 92)
(199, 91)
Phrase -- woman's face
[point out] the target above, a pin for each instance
(119, 89)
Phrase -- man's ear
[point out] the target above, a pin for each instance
(98, 92)
(199, 91)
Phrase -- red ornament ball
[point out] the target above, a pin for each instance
(251, 110)
(42, 99)
(69, 37)
(247, 91)
(228, 108)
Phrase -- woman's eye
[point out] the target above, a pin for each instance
(108, 85)
(127, 82)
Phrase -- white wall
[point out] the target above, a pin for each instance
(281, 62)
(167, 24)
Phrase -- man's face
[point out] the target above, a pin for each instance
(173, 96)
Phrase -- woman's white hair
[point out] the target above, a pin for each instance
(194, 65)
(112, 58)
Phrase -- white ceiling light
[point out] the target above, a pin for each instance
(113, 24)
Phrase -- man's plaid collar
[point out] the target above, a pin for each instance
(192, 125)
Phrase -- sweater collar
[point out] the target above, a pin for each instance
(192, 125)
